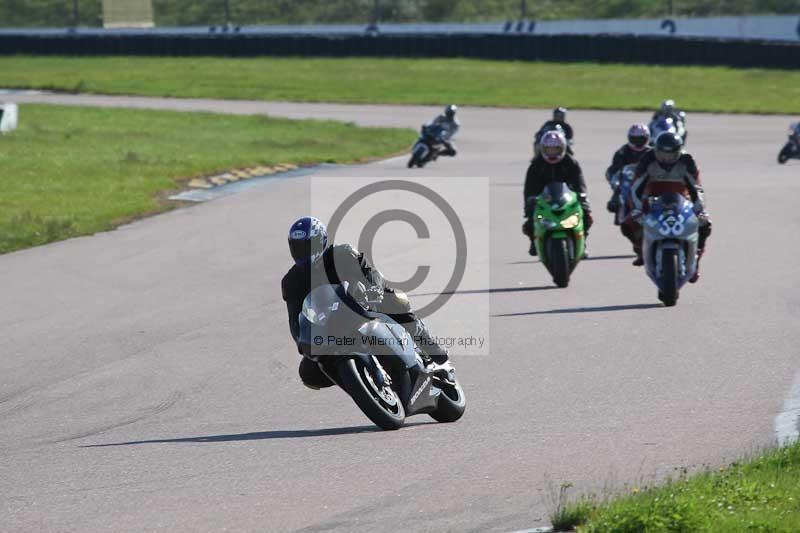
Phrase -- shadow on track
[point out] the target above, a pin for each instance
(261, 435)
(583, 310)
(491, 291)
(590, 258)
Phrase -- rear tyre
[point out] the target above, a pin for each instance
(669, 277)
(381, 405)
(452, 403)
(558, 252)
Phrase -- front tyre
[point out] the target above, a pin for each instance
(417, 156)
(452, 402)
(783, 155)
(558, 256)
(380, 404)
(669, 277)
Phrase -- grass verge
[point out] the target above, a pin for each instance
(415, 81)
(760, 494)
(71, 171)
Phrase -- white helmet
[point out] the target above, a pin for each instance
(667, 106)
(553, 146)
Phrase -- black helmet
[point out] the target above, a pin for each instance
(668, 148)
(560, 114)
(308, 239)
(450, 111)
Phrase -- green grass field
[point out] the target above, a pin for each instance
(761, 494)
(71, 171)
(415, 81)
(202, 12)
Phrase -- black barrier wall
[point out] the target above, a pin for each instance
(596, 48)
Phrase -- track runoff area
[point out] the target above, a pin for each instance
(149, 380)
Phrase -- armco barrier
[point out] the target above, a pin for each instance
(596, 48)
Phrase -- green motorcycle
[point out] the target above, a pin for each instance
(558, 230)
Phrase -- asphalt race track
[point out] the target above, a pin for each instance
(148, 381)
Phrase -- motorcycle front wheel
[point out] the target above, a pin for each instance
(417, 157)
(380, 404)
(452, 402)
(783, 155)
(558, 257)
(669, 277)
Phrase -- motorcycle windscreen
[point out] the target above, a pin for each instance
(557, 194)
(329, 322)
(670, 201)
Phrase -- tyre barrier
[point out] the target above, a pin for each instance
(511, 46)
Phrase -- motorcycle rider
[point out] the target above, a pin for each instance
(667, 168)
(630, 152)
(552, 163)
(449, 125)
(318, 262)
(667, 110)
(559, 120)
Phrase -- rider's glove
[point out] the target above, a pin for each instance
(698, 207)
(703, 218)
(588, 220)
(374, 295)
(636, 215)
(530, 204)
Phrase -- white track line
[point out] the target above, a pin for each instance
(787, 423)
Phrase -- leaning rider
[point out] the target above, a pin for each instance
(317, 262)
(448, 124)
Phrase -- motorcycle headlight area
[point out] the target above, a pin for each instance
(549, 224)
(570, 222)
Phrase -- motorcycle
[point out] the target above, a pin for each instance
(428, 146)
(621, 185)
(791, 150)
(662, 124)
(670, 244)
(558, 231)
(375, 360)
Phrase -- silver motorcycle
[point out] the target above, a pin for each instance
(670, 244)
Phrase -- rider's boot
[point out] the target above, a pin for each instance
(637, 249)
(428, 345)
(696, 275)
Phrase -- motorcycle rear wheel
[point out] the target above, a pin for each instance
(381, 405)
(669, 277)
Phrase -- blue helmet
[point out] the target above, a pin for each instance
(308, 239)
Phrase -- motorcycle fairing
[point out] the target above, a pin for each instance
(670, 223)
